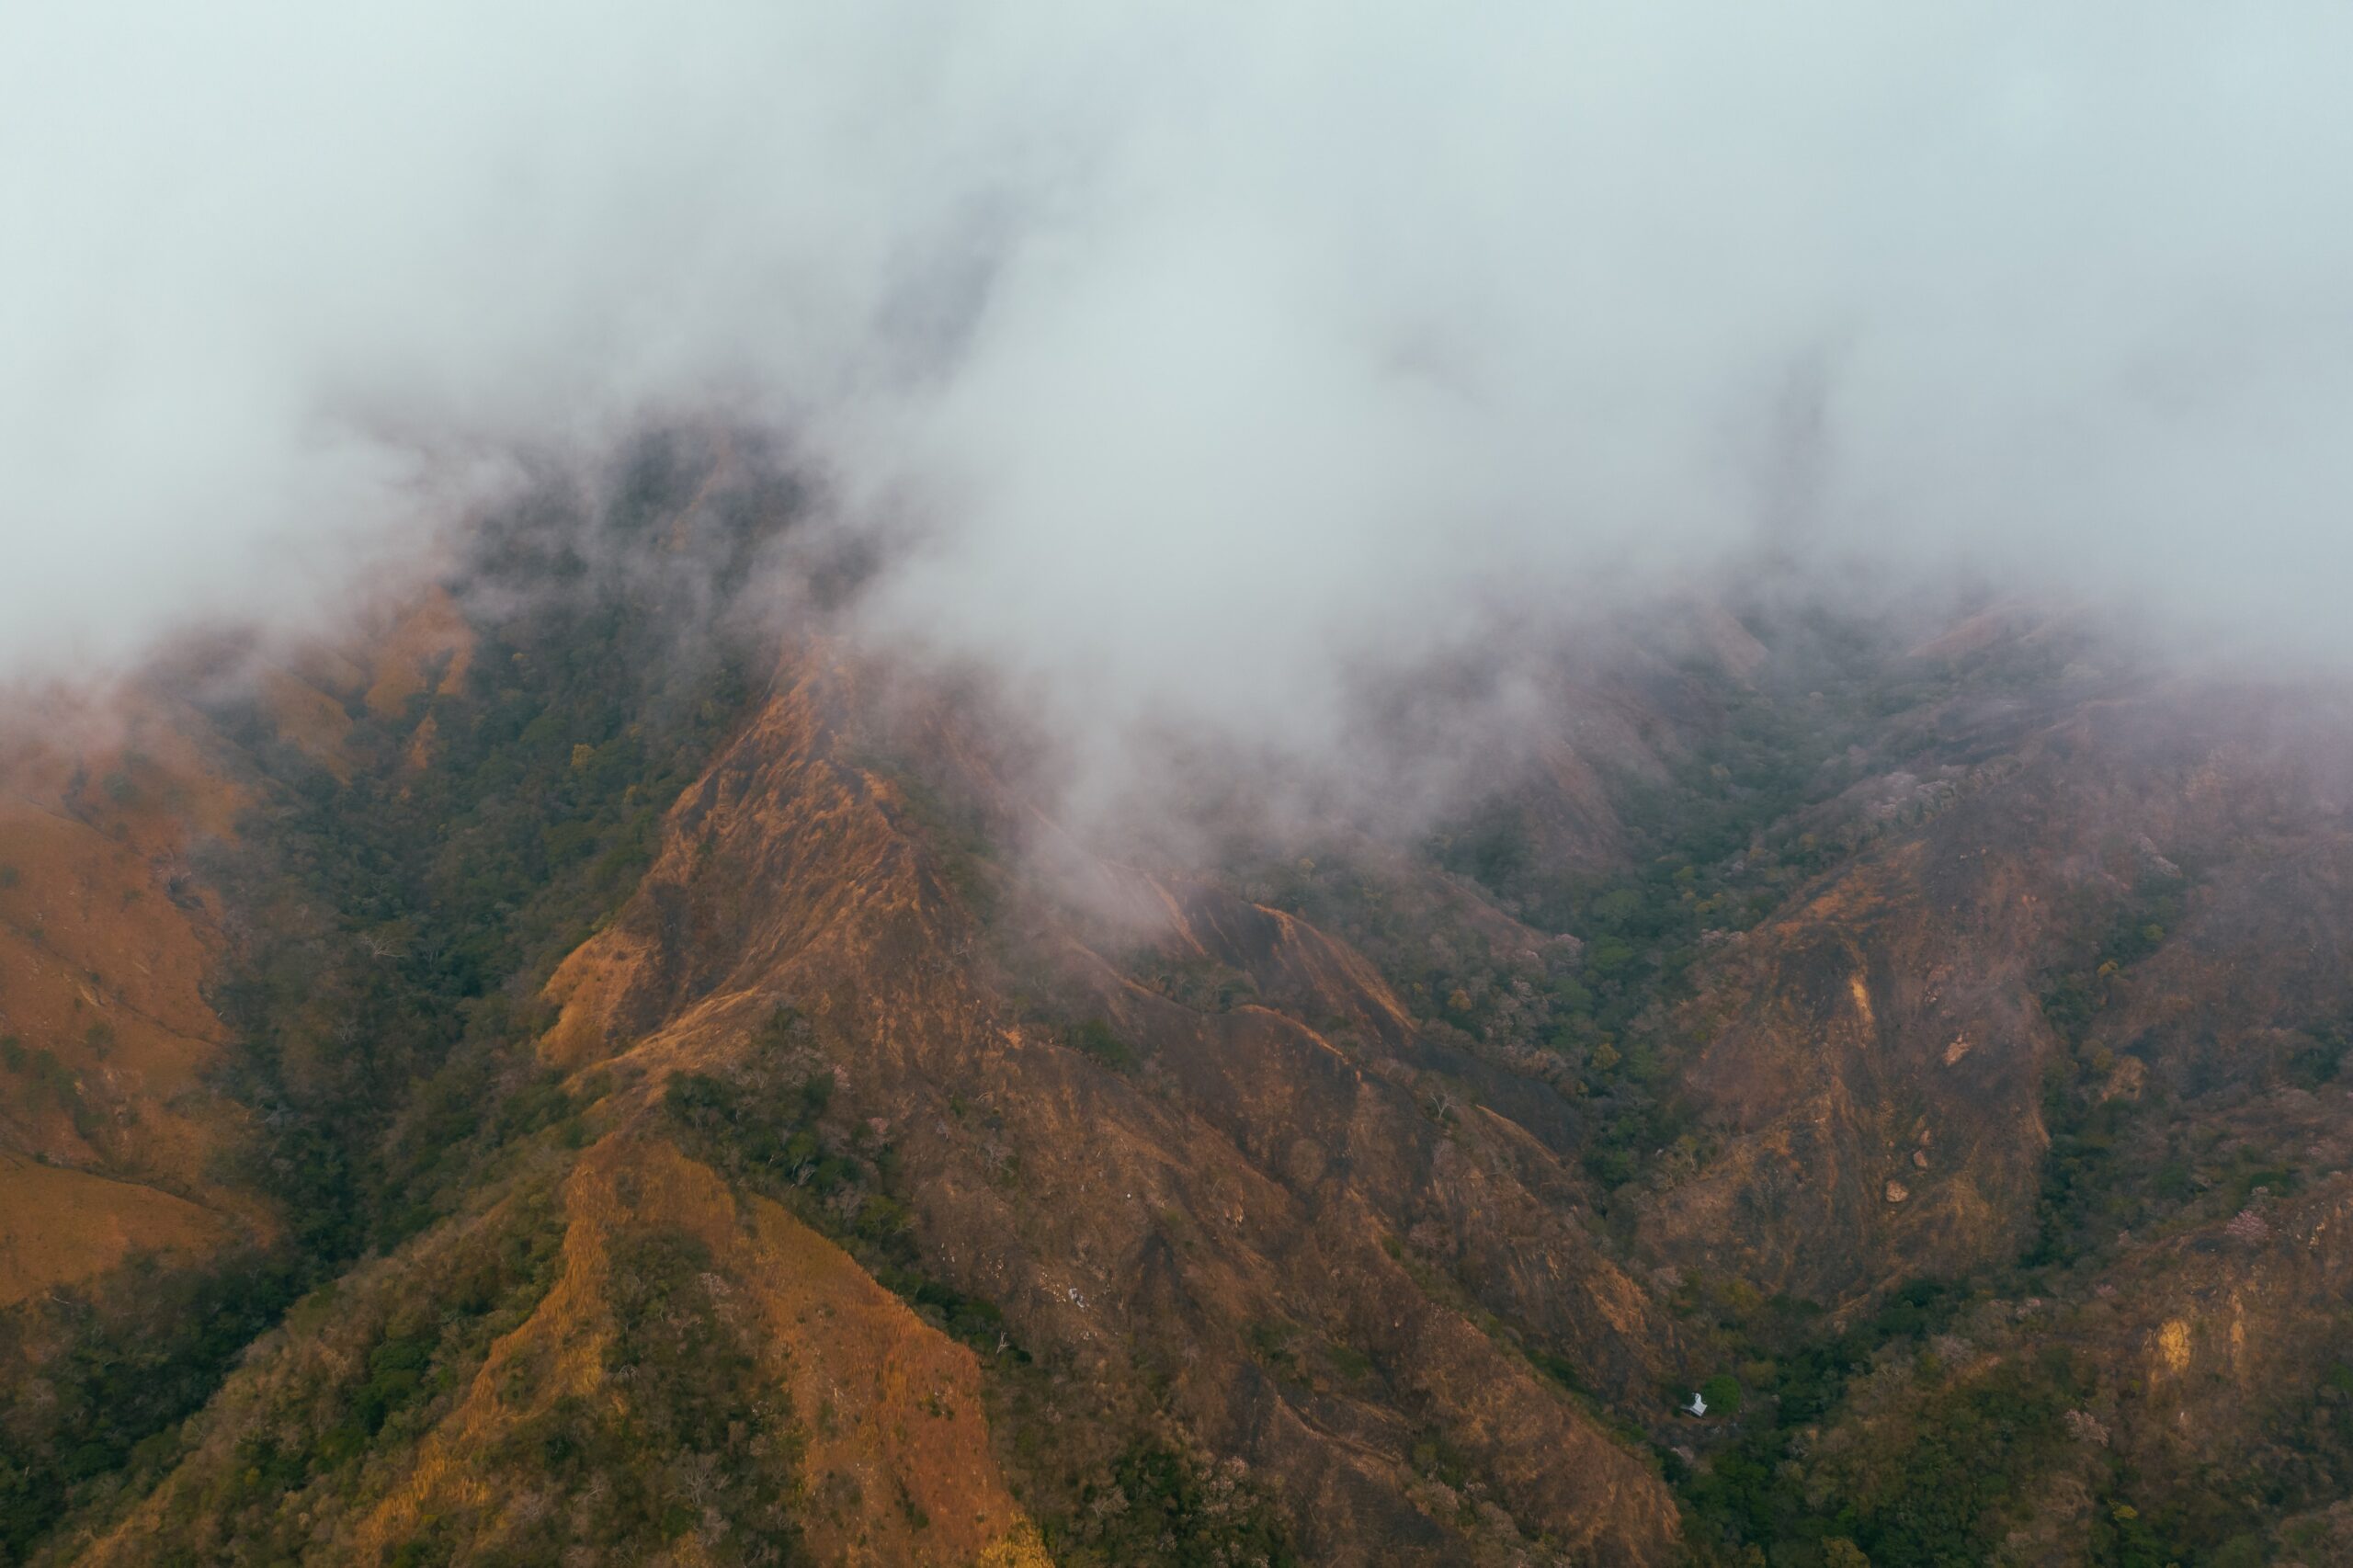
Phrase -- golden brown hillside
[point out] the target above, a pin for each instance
(639, 1304)
(108, 1128)
(558, 1080)
(1112, 1214)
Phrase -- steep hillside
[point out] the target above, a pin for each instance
(105, 1131)
(584, 1072)
(1180, 1210)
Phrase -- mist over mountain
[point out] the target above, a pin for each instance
(1194, 353)
(1175, 786)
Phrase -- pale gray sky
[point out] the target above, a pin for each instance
(1217, 343)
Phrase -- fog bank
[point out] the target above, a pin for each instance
(1194, 355)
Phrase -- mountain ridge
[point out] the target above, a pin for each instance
(681, 1093)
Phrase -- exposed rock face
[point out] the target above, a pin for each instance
(2044, 999)
(903, 1437)
(1254, 1166)
(1895, 1002)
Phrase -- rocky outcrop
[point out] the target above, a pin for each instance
(1233, 1180)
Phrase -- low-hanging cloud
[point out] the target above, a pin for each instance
(1197, 353)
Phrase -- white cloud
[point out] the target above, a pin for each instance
(1217, 345)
